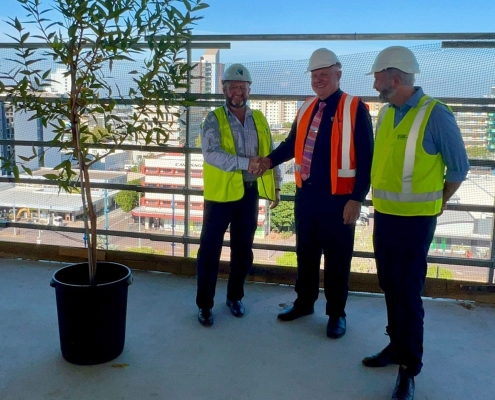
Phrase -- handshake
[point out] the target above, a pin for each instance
(258, 165)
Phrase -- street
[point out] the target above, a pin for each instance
(117, 220)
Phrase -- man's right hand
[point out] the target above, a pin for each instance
(254, 165)
(258, 165)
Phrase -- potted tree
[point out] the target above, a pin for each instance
(88, 39)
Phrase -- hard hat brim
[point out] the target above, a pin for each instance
(320, 67)
(373, 72)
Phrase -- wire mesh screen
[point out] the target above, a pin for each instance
(445, 72)
(156, 216)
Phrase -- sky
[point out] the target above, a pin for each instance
(343, 17)
(321, 17)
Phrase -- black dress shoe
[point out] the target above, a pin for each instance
(292, 313)
(404, 387)
(385, 357)
(336, 327)
(236, 308)
(205, 317)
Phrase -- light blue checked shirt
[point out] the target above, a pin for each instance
(245, 140)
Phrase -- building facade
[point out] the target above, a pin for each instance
(166, 212)
(6, 133)
(206, 78)
(277, 112)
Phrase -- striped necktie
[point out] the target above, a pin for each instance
(310, 142)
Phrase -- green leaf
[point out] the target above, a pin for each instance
(199, 7)
(30, 62)
(15, 170)
(17, 25)
(24, 37)
(25, 159)
(27, 170)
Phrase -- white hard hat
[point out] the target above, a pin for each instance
(396, 57)
(322, 58)
(236, 72)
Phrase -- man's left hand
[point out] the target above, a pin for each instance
(274, 203)
(352, 209)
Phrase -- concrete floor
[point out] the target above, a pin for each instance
(168, 355)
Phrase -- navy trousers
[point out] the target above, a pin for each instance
(320, 229)
(401, 246)
(242, 215)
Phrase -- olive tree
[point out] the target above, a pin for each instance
(87, 39)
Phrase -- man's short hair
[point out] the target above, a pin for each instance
(405, 78)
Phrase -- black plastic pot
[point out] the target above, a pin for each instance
(91, 319)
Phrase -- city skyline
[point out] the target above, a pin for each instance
(279, 68)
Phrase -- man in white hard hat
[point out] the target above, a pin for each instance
(417, 139)
(233, 137)
(332, 143)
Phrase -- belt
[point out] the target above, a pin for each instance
(250, 184)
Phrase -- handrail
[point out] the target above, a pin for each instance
(345, 36)
(458, 104)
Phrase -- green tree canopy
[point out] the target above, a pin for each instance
(127, 200)
(477, 152)
(279, 137)
(282, 217)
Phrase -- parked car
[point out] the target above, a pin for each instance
(58, 221)
(363, 219)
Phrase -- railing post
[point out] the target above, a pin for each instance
(187, 157)
(492, 251)
(105, 192)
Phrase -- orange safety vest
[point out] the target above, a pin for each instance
(343, 157)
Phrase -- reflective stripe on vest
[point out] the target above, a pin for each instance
(347, 133)
(223, 186)
(407, 197)
(431, 199)
(381, 114)
(342, 160)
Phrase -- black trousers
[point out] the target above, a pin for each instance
(401, 246)
(320, 229)
(242, 215)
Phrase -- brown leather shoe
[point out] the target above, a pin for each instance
(404, 387)
(292, 313)
(385, 357)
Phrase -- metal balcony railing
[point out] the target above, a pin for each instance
(463, 245)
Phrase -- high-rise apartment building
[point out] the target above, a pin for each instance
(490, 127)
(206, 78)
(6, 132)
(18, 124)
(208, 73)
(33, 130)
(60, 84)
(276, 111)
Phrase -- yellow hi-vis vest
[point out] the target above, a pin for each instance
(406, 180)
(223, 186)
